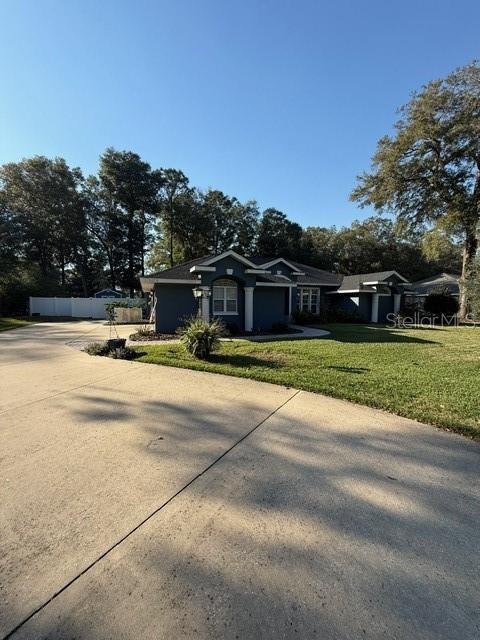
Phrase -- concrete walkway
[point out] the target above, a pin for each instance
(139, 501)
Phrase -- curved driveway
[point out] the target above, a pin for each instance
(139, 501)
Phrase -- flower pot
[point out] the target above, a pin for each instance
(116, 343)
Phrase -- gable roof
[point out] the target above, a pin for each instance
(363, 280)
(449, 281)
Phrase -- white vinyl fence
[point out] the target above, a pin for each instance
(75, 307)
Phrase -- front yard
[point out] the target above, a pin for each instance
(431, 375)
(12, 323)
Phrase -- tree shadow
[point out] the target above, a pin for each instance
(349, 369)
(318, 524)
(356, 334)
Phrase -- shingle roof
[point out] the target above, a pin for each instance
(314, 275)
(354, 282)
(449, 281)
(179, 271)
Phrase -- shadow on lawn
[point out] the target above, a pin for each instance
(238, 360)
(375, 334)
(349, 369)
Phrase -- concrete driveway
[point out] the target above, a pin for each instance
(139, 501)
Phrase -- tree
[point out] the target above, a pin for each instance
(42, 195)
(441, 302)
(132, 189)
(429, 172)
(172, 185)
(473, 290)
(278, 236)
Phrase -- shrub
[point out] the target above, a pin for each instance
(441, 302)
(232, 329)
(143, 333)
(200, 338)
(332, 314)
(103, 349)
(303, 317)
(122, 353)
(97, 349)
(279, 327)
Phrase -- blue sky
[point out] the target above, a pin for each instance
(281, 101)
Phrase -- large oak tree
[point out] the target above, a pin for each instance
(429, 171)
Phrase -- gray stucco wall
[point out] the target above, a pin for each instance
(269, 306)
(354, 303)
(385, 306)
(174, 302)
(238, 269)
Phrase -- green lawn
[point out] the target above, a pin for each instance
(431, 375)
(12, 323)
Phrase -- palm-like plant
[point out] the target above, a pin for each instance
(200, 338)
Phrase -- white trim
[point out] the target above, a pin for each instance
(231, 254)
(309, 290)
(374, 314)
(274, 284)
(266, 265)
(147, 283)
(224, 299)
(170, 281)
(248, 308)
(397, 298)
(257, 271)
(395, 273)
(200, 267)
(298, 273)
(315, 284)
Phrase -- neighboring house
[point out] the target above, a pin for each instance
(418, 291)
(108, 293)
(254, 293)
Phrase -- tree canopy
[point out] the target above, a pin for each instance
(62, 233)
(428, 172)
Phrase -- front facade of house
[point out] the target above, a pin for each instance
(252, 294)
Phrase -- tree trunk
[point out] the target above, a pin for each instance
(171, 233)
(468, 264)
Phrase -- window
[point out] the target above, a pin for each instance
(309, 299)
(225, 297)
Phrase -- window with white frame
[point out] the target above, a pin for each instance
(225, 296)
(309, 299)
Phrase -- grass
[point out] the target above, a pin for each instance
(22, 321)
(12, 323)
(431, 375)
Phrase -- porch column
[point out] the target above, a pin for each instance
(248, 308)
(289, 303)
(206, 304)
(374, 317)
(396, 302)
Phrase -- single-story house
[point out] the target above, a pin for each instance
(418, 291)
(108, 293)
(252, 294)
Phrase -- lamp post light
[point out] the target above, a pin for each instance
(202, 294)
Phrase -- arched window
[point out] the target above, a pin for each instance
(225, 297)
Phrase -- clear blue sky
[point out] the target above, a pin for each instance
(281, 101)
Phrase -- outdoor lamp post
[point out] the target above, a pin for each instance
(202, 295)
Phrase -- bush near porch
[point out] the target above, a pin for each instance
(427, 374)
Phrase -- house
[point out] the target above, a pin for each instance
(371, 295)
(108, 293)
(252, 294)
(418, 291)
